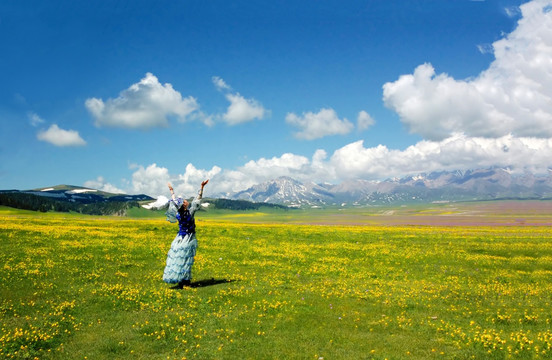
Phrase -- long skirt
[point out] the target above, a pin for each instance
(180, 259)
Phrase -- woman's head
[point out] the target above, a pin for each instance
(183, 203)
(183, 209)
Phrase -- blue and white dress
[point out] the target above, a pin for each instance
(183, 248)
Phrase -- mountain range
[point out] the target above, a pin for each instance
(442, 186)
(69, 198)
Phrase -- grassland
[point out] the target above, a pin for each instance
(477, 213)
(275, 286)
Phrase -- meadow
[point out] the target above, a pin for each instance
(83, 287)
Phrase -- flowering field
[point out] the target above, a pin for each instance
(74, 287)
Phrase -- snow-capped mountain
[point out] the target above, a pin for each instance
(287, 191)
(481, 184)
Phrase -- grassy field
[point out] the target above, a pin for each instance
(476, 213)
(81, 287)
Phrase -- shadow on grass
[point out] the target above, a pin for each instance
(209, 282)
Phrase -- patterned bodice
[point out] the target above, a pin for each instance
(186, 223)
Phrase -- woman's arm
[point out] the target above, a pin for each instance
(194, 206)
(172, 191)
(201, 190)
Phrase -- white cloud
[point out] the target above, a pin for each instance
(456, 152)
(364, 120)
(513, 96)
(35, 119)
(295, 166)
(512, 11)
(240, 110)
(204, 118)
(220, 84)
(159, 203)
(143, 105)
(502, 117)
(151, 180)
(354, 161)
(317, 125)
(243, 110)
(286, 165)
(100, 184)
(228, 181)
(485, 48)
(188, 183)
(59, 137)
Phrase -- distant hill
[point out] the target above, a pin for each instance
(79, 194)
(69, 198)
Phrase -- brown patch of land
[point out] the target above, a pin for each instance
(484, 213)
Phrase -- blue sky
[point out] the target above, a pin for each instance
(127, 95)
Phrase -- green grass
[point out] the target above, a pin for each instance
(75, 287)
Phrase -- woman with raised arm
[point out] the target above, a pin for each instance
(183, 248)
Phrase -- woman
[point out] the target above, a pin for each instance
(183, 248)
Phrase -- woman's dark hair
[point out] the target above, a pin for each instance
(182, 211)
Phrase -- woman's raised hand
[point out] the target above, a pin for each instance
(204, 183)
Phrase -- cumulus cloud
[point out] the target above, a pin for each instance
(240, 110)
(502, 117)
(257, 171)
(317, 125)
(456, 152)
(355, 161)
(100, 184)
(145, 104)
(151, 179)
(286, 165)
(513, 96)
(364, 120)
(188, 183)
(60, 137)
